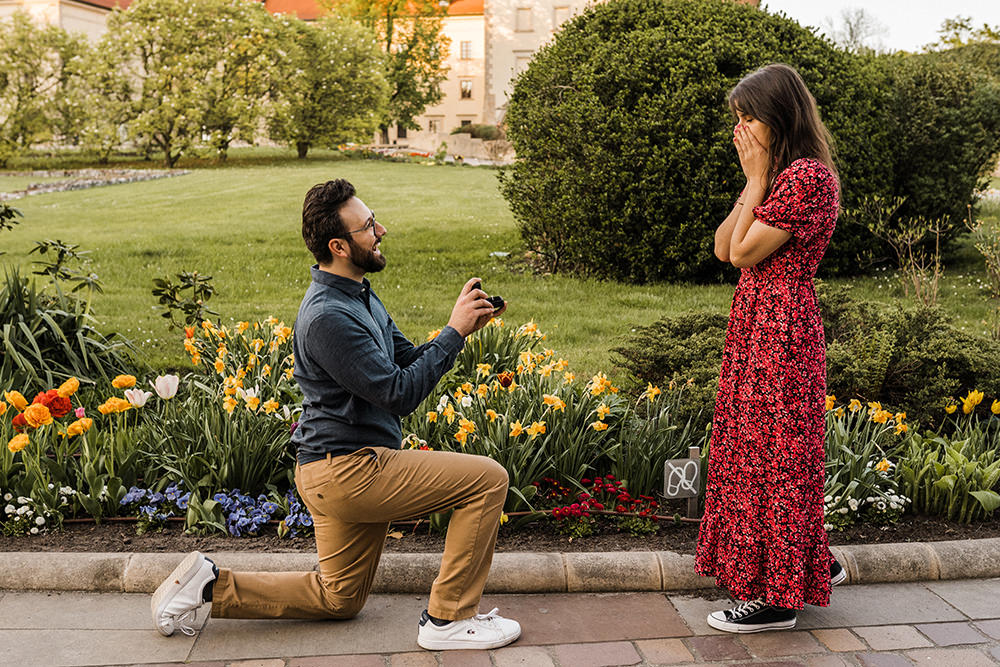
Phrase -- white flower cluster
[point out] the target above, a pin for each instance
(23, 515)
(891, 502)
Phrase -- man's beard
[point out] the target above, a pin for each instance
(365, 258)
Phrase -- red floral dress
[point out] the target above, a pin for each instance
(762, 534)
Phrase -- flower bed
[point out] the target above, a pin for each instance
(212, 448)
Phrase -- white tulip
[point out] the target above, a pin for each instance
(137, 397)
(166, 386)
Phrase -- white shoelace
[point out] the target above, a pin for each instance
(181, 621)
(746, 608)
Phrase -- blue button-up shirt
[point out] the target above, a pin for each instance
(358, 373)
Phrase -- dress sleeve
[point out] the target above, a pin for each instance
(797, 200)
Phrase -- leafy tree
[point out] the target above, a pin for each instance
(409, 33)
(335, 90)
(107, 102)
(165, 53)
(249, 58)
(34, 68)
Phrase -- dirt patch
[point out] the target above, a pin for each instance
(118, 536)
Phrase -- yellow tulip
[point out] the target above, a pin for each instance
(79, 427)
(123, 382)
(995, 408)
(68, 388)
(18, 442)
(950, 409)
(16, 399)
(3, 408)
(971, 401)
(37, 415)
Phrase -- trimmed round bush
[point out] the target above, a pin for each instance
(624, 136)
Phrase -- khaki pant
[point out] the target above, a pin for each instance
(352, 499)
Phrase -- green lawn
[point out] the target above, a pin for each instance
(241, 225)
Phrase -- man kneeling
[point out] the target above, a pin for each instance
(358, 375)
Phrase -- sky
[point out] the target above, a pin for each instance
(908, 24)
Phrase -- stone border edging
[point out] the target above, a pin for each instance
(512, 572)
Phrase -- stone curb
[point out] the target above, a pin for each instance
(511, 572)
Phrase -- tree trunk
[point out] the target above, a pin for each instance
(385, 134)
(303, 148)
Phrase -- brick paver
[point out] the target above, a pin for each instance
(719, 648)
(664, 651)
(991, 628)
(604, 654)
(369, 660)
(276, 662)
(892, 637)
(840, 640)
(883, 660)
(963, 657)
(950, 634)
(777, 644)
(827, 660)
(422, 659)
(522, 656)
(465, 659)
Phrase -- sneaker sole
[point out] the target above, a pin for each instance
(179, 578)
(455, 645)
(748, 629)
(839, 579)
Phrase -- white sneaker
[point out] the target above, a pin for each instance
(181, 594)
(482, 631)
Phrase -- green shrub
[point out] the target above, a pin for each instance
(944, 117)
(911, 359)
(485, 132)
(625, 163)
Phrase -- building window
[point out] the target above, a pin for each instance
(521, 62)
(560, 16)
(465, 51)
(434, 125)
(400, 132)
(466, 88)
(466, 122)
(523, 20)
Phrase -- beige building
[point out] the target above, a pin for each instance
(88, 17)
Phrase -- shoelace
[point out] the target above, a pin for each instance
(747, 608)
(181, 621)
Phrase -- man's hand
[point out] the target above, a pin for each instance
(472, 311)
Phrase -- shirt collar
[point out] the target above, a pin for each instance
(345, 285)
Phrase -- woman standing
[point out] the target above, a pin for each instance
(762, 535)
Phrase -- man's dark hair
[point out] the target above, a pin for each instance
(321, 219)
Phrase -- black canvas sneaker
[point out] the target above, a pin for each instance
(753, 616)
(838, 574)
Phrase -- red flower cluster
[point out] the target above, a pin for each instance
(605, 491)
(57, 405)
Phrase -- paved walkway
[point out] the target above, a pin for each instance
(941, 623)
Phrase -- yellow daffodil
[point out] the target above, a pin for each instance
(840, 412)
(525, 358)
(256, 345)
(467, 425)
(483, 369)
(271, 320)
(220, 366)
(881, 416)
(16, 399)
(449, 413)
(461, 436)
(431, 335)
(195, 359)
(242, 326)
(599, 426)
(831, 400)
(553, 401)
(900, 417)
(190, 347)
(270, 405)
(512, 386)
(265, 370)
(68, 388)
(123, 382)
(229, 404)
(536, 429)
(482, 390)
(549, 353)
(901, 428)
(458, 394)
(516, 429)
(3, 408)
(289, 372)
(546, 370)
(529, 329)
(37, 415)
(603, 411)
(275, 344)
(18, 442)
(467, 387)
(651, 391)
(492, 414)
(950, 409)
(79, 427)
(883, 465)
(971, 401)
(561, 365)
(281, 332)
(875, 407)
(855, 405)
(568, 377)
(221, 351)
(432, 416)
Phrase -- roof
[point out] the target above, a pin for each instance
(107, 4)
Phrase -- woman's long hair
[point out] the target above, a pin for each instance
(777, 96)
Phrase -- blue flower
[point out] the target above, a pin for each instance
(182, 502)
(270, 508)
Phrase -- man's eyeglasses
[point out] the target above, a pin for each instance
(368, 225)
